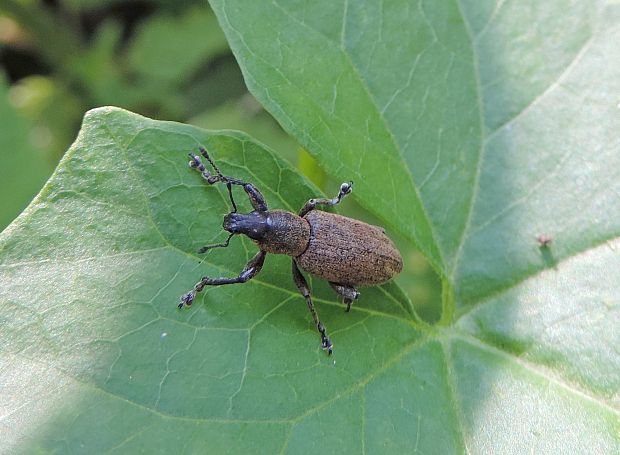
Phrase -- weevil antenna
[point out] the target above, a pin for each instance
(222, 177)
(224, 244)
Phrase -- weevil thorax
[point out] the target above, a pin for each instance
(274, 231)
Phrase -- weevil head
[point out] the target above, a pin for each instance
(253, 224)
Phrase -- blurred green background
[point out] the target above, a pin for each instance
(164, 59)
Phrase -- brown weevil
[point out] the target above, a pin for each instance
(346, 252)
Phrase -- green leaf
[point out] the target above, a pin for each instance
(94, 345)
(472, 128)
(246, 115)
(463, 124)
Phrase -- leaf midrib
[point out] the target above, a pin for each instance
(474, 194)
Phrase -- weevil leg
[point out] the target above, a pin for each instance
(254, 195)
(250, 270)
(348, 293)
(345, 189)
(196, 163)
(303, 287)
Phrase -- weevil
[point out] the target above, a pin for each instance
(346, 252)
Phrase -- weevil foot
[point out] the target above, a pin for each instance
(349, 300)
(326, 344)
(187, 299)
(195, 163)
(349, 294)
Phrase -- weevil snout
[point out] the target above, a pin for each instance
(253, 224)
(230, 222)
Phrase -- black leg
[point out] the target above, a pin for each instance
(348, 293)
(250, 270)
(345, 189)
(256, 198)
(206, 248)
(303, 287)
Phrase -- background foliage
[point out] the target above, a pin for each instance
(469, 128)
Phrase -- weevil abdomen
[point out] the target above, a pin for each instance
(348, 251)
